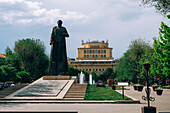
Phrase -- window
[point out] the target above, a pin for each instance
(98, 51)
(89, 69)
(99, 69)
(104, 51)
(93, 56)
(104, 56)
(90, 51)
(87, 56)
(99, 56)
(87, 51)
(96, 56)
(90, 56)
(84, 51)
(86, 69)
(101, 51)
(84, 56)
(93, 51)
(103, 69)
(96, 69)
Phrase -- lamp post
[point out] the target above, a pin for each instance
(148, 109)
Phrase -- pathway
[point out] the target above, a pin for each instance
(162, 103)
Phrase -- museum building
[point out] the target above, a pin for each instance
(94, 56)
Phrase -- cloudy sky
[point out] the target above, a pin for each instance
(119, 21)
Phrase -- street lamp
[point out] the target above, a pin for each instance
(148, 109)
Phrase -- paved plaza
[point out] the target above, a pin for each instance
(80, 108)
(162, 103)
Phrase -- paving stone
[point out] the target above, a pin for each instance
(43, 88)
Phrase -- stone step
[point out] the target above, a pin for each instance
(7, 91)
(74, 93)
(73, 98)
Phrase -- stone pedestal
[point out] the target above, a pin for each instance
(148, 109)
(58, 77)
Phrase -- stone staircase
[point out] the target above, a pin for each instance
(76, 92)
(7, 91)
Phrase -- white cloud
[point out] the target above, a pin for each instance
(33, 10)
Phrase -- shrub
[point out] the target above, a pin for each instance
(8, 74)
(25, 77)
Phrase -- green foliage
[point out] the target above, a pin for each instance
(32, 55)
(155, 85)
(161, 6)
(108, 73)
(2, 61)
(94, 76)
(8, 74)
(72, 71)
(25, 77)
(137, 85)
(102, 77)
(158, 88)
(162, 49)
(166, 87)
(8, 52)
(99, 93)
(3, 75)
(130, 66)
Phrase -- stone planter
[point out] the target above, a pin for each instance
(140, 88)
(159, 92)
(135, 88)
(148, 109)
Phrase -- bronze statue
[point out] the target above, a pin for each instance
(58, 57)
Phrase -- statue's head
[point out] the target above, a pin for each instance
(59, 22)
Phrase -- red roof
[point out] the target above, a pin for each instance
(3, 56)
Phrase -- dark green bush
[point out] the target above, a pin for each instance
(25, 77)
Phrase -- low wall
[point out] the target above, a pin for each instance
(56, 77)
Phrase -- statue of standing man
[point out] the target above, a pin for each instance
(58, 57)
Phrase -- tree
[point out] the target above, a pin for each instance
(72, 71)
(131, 64)
(94, 76)
(25, 77)
(125, 70)
(102, 77)
(2, 61)
(162, 48)
(33, 57)
(8, 51)
(3, 75)
(108, 73)
(8, 74)
(12, 59)
(161, 6)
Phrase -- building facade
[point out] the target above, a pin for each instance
(94, 56)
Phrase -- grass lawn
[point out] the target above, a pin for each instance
(117, 88)
(100, 93)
